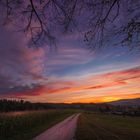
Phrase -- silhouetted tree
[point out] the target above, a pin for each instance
(98, 20)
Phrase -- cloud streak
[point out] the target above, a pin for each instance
(107, 80)
(97, 88)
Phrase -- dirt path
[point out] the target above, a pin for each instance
(64, 130)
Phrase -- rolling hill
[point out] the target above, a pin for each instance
(129, 102)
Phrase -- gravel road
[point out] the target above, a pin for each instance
(64, 130)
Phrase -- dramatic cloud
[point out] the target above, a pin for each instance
(19, 65)
(69, 74)
(107, 80)
(67, 56)
(97, 88)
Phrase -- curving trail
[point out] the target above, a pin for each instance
(64, 130)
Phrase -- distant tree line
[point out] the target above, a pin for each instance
(21, 105)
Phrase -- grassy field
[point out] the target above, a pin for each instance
(107, 127)
(26, 125)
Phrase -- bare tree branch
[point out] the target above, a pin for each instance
(97, 18)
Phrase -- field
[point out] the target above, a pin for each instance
(26, 125)
(93, 126)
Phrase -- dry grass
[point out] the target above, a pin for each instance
(26, 125)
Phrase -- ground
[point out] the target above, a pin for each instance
(89, 125)
(93, 126)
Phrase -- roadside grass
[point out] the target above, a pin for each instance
(92, 126)
(28, 124)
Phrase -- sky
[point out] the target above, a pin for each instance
(70, 73)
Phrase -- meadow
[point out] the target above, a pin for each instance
(95, 126)
(25, 125)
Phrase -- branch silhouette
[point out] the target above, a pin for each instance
(99, 20)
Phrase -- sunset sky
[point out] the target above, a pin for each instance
(69, 73)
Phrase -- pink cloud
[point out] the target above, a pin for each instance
(69, 56)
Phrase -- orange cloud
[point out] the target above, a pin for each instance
(83, 87)
(108, 80)
(98, 88)
(115, 83)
